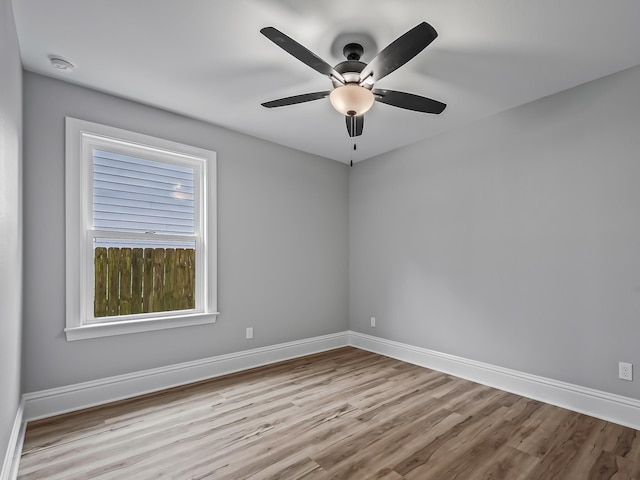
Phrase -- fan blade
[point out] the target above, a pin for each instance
(305, 97)
(399, 52)
(301, 53)
(355, 125)
(408, 101)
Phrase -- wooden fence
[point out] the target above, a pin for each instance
(136, 280)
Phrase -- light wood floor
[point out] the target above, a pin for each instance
(344, 414)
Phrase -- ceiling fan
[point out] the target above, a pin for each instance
(353, 81)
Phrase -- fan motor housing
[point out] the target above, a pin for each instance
(350, 70)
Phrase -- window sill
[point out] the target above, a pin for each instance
(107, 329)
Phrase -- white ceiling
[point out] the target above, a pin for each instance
(206, 58)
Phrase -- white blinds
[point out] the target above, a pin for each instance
(133, 194)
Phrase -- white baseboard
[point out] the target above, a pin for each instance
(46, 403)
(606, 406)
(14, 449)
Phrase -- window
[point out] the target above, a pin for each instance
(140, 232)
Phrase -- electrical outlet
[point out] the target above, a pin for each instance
(249, 333)
(373, 321)
(625, 371)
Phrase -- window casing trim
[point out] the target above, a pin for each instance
(81, 138)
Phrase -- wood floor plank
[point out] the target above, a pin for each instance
(450, 448)
(507, 464)
(340, 415)
(370, 454)
(538, 430)
(563, 454)
(626, 470)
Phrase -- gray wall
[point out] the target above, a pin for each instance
(282, 242)
(10, 222)
(513, 241)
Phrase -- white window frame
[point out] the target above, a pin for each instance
(81, 138)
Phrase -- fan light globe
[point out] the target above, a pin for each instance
(351, 99)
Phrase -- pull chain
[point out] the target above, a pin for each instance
(353, 131)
